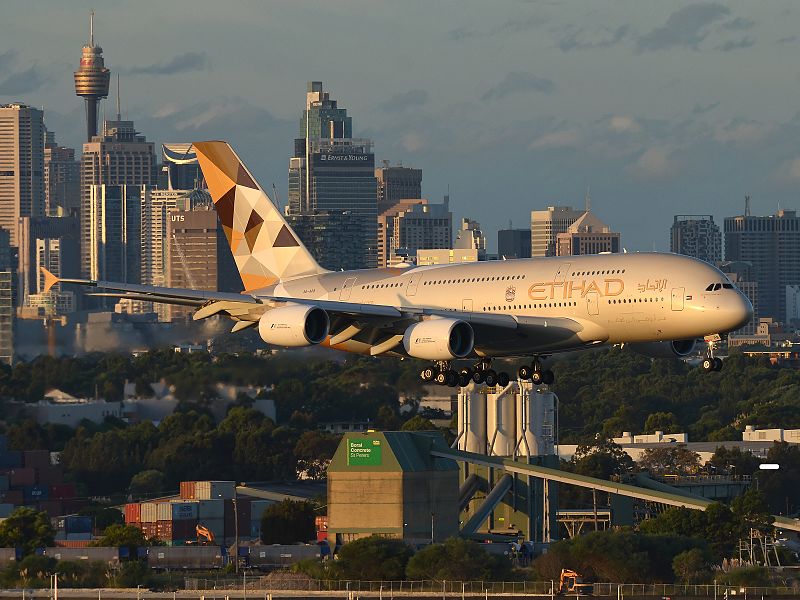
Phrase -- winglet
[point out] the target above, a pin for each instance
(49, 279)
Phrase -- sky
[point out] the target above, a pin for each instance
(658, 108)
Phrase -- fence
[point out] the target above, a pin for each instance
(288, 581)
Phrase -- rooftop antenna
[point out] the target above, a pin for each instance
(277, 198)
(91, 28)
(747, 206)
(587, 200)
(119, 112)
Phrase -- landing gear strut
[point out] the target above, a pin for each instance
(710, 362)
(443, 374)
(536, 374)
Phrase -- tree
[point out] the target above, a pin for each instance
(457, 559)
(28, 529)
(148, 483)
(418, 423)
(102, 515)
(602, 459)
(752, 509)
(689, 565)
(288, 522)
(313, 452)
(122, 535)
(661, 421)
(675, 459)
(374, 558)
(734, 461)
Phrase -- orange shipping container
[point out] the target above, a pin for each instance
(133, 513)
(188, 490)
(72, 543)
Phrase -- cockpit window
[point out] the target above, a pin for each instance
(727, 286)
(713, 287)
(710, 287)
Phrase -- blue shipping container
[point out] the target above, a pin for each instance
(3, 443)
(78, 524)
(184, 511)
(6, 510)
(10, 459)
(35, 492)
(3, 483)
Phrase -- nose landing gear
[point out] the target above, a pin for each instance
(711, 363)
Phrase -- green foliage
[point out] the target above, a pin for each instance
(672, 460)
(418, 423)
(314, 451)
(457, 560)
(690, 565)
(373, 558)
(666, 422)
(147, 483)
(734, 461)
(288, 522)
(781, 488)
(131, 574)
(103, 515)
(602, 459)
(32, 571)
(122, 535)
(28, 529)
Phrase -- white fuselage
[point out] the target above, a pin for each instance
(615, 298)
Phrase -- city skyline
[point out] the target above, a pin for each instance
(654, 134)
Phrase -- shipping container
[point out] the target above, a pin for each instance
(214, 490)
(76, 537)
(149, 530)
(35, 493)
(164, 530)
(255, 530)
(133, 513)
(49, 475)
(184, 530)
(188, 490)
(13, 497)
(36, 459)
(4, 484)
(78, 524)
(62, 491)
(278, 555)
(211, 509)
(53, 508)
(21, 477)
(109, 555)
(257, 508)
(184, 511)
(9, 555)
(72, 543)
(185, 557)
(11, 459)
(149, 512)
(164, 512)
(6, 510)
(321, 522)
(322, 536)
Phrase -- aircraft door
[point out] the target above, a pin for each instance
(678, 294)
(344, 295)
(413, 282)
(466, 305)
(593, 303)
(561, 274)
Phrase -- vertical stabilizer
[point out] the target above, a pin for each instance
(264, 247)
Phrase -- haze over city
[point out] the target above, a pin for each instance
(659, 108)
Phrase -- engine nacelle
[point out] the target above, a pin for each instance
(439, 339)
(673, 349)
(294, 325)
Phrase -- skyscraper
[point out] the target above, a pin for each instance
(331, 180)
(21, 165)
(514, 243)
(7, 277)
(118, 157)
(180, 163)
(115, 233)
(62, 179)
(697, 236)
(411, 225)
(547, 224)
(587, 235)
(772, 246)
(397, 183)
(92, 80)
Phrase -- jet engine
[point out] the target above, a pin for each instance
(294, 325)
(673, 349)
(439, 339)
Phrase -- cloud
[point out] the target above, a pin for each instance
(623, 125)
(519, 82)
(745, 42)
(653, 163)
(789, 171)
(571, 42)
(686, 27)
(23, 82)
(404, 100)
(413, 141)
(462, 33)
(789, 39)
(6, 59)
(739, 24)
(557, 139)
(740, 132)
(699, 109)
(183, 63)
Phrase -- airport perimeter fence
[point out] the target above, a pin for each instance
(276, 582)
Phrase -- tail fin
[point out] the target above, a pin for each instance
(264, 247)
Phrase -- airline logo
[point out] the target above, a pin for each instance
(575, 288)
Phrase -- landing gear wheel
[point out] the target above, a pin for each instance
(467, 372)
(427, 374)
(490, 377)
(464, 380)
(717, 363)
(547, 377)
(537, 378)
(451, 378)
(708, 364)
(525, 372)
(479, 377)
(440, 378)
(503, 379)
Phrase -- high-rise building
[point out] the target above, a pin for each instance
(118, 157)
(62, 180)
(697, 236)
(547, 224)
(115, 216)
(52, 243)
(181, 167)
(410, 225)
(92, 80)
(332, 178)
(471, 237)
(7, 285)
(514, 243)
(772, 245)
(397, 183)
(742, 275)
(587, 235)
(21, 165)
(198, 254)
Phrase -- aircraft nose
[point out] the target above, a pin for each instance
(738, 311)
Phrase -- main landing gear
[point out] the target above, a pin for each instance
(442, 373)
(536, 374)
(711, 363)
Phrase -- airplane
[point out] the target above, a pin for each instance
(660, 304)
